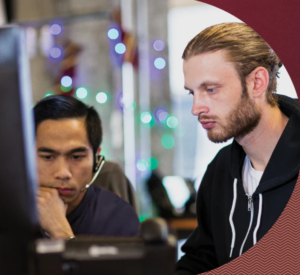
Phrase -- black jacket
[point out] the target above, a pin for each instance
(209, 246)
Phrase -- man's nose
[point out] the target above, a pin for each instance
(200, 105)
(63, 170)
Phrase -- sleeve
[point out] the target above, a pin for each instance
(199, 248)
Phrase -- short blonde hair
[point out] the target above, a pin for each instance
(245, 48)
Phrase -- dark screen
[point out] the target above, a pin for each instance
(18, 215)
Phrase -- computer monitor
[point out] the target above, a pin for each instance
(18, 214)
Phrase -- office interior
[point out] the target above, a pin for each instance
(124, 58)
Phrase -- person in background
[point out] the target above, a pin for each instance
(231, 73)
(68, 138)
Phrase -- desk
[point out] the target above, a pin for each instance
(182, 227)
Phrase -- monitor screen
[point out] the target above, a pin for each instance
(177, 190)
(18, 214)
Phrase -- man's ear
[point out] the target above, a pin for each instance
(257, 82)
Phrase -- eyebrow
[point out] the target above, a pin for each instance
(75, 150)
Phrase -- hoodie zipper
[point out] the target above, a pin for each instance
(250, 202)
(250, 208)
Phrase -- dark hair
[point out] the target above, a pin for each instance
(60, 107)
(245, 48)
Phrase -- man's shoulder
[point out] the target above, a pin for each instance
(104, 196)
(112, 203)
(113, 213)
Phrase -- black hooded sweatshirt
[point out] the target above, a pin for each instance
(221, 197)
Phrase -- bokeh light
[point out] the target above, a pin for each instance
(142, 165)
(65, 89)
(66, 81)
(120, 48)
(55, 29)
(81, 92)
(159, 63)
(146, 117)
(167, 141)
(161, 114)
(172, 122)
(113, 33)
(48, 94)
(153, 163)
(101, 97)
(55, 52)
(158, 45)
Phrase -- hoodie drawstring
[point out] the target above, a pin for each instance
(231, 215)
(258, 219)
(250, 225)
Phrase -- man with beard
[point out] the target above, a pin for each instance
(68, 138)
(231, 73)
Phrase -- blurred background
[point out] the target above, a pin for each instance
(124, 58)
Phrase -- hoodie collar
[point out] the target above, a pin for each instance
(284, 163)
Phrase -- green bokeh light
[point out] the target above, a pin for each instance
(65, 89)
(81, 92)
(102, 97)
(153, 163)
(147, 119)
(142, 165)
(167, 141)
(172, 122)
(48, 94)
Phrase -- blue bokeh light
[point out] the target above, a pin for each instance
(120, 48)
(55, 52)
(159, 63)
(55, 29)
(158, 45)
(113, 34)
(66, 81)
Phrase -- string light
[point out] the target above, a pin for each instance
(55, 29)
(172, 122)
(141, 165)
(81, 92)
(120, 48)
(55, 52)
(48, 94)
(101, 97)
(167, 141)
(161, 114)
(66, 81)
(158, 45)
(146, 117)
(113, 33)
(159, 63)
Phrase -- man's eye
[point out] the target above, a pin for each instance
(47, 157)
(211, 90)
(78, 156)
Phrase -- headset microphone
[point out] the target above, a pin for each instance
(97, 169)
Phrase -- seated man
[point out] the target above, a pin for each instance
(231, 73)
(68, 138)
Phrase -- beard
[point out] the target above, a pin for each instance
(242, 120)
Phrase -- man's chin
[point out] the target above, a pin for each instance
(217, 137)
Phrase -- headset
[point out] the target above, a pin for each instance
(99, 162)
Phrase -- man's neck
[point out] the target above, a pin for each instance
(261, 142)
